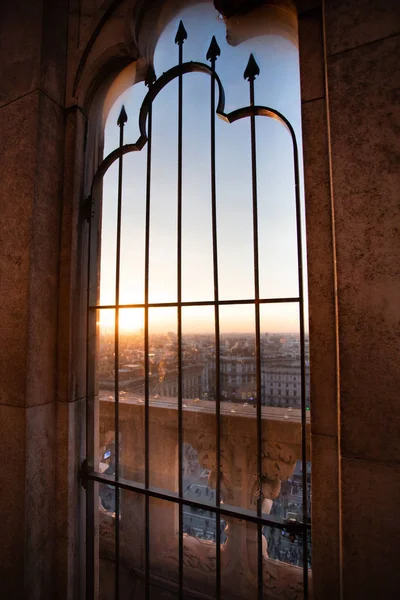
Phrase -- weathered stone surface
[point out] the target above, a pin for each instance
(18, 125)
(20, 35)
(27, 497)
(33, 35)
(311, 51)
(320, 259)
(303, 6)
(32, 135)
(352, 23)
(54, 49)
(43, 247)
(69, 497)
(39, 498)
(364, 132)
(371, 531)
(325, 517)
(71, 357)
(12, 501)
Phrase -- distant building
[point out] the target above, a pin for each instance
(281, 382)
(164, 383)
(237, 377)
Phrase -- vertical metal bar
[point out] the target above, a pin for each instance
(181, 36)
(213, 53)
(121, 124)
(146, 353)
(302, 365)
(90, 399)
(257, 331)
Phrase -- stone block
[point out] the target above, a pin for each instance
(27, 500)
(18, 125)
(69, 498)
(352, 23)
(325, 517)
(39, 498)
(32, 135)
(73, 267)
(34, 36)
(54, 49)
(12, 501)
(312, 60)
(304, 6)
(370, 529)
(320, 259)
(44, 255)
(363, 87)
(20, 36)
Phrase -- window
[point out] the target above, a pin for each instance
(169, 279)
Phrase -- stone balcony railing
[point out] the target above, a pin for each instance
(281, 447)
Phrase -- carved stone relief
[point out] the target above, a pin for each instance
(240, 487)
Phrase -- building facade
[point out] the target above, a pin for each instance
(281, 382)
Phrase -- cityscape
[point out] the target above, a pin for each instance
(280, 367)
(280, 390)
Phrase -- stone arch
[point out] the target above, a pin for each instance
(128, 30)
(108, 68)
(122, 44)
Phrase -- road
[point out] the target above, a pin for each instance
(244, 409)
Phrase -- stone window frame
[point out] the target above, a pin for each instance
(110, 51)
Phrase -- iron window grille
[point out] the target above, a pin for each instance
(90, 474)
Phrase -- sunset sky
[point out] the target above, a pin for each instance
(277, 87)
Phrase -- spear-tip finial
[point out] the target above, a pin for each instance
(181, 34)
(252, 69)
(123, 117)
(214, 50)
(150, 76)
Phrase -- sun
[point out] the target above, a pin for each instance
(130, 319)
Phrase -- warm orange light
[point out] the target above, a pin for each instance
(129, 320)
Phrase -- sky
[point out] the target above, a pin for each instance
(277, 86)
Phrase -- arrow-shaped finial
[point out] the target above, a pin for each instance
(123, 117)
(214, 50)
(150, 76)
(252, 69)
(181, 34)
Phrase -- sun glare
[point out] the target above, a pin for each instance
(130, 319)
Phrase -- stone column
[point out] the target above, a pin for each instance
(322, 309)
(362, 48)
(33, 39)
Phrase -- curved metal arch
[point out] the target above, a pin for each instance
(266, 111)
(258, 111)
(155, 89)
(160, 84)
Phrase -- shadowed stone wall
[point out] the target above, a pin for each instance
(363, 81)
(32, 120)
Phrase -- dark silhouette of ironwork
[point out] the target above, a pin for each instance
(217, 108)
